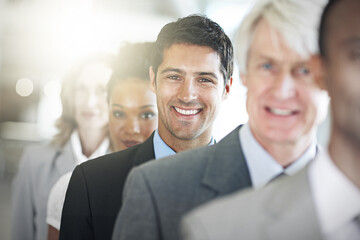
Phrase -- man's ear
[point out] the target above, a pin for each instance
(227, 88)
(152, 79)
(318, 67)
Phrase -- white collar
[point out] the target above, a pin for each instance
(337, 199)
(79, 156)
(262, 166)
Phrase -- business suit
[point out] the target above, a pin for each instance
(157, 194)
(282, 210)
(39, 169)
(94, 195)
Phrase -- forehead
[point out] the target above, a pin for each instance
(94, 73)
(268, 42)
(191, 57)
(348, 11)
(131, 89)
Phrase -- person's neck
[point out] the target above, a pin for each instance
(179, 145)
(286, 153)
(90, 140)
(344, 152)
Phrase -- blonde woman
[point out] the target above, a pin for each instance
(82, 135)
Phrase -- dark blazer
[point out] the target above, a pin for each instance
(94, 195)
(282, 210)
(157, 194)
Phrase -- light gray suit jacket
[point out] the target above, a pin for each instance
(282, 210)
(40, 168)
(158, 193)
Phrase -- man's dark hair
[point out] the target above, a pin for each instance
(323, 30)
(133, 61)
(196, 30)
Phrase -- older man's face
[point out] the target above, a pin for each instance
(283, 99)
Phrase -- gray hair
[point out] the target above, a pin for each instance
(296, 20)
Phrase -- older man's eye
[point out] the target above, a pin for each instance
(267, 66)
(302, 71)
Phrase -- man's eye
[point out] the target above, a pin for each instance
(147, 115)
(174, 77)
(118, 114)
(302, 71)
(205, 80)
(267, 66)
(355, 55)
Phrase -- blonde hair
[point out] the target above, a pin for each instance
(296, 20)
(66, 123)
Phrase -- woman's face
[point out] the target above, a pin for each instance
(132, 113)
(91, 106)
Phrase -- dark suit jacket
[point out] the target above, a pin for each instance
(94, 195)
(157, 194)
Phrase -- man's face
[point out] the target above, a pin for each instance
(283, 99)
(343, 67)
(189, 89)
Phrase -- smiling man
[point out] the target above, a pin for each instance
(323, 200)
(279, 65)
(190, 74)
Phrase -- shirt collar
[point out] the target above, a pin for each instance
(162, 150)
(79, 156)
(262, 166)
(336, 198)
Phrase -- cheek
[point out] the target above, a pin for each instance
(115, 125)
(148, 127)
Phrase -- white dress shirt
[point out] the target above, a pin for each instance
(58, 192)
(337, 200)
(262, 166)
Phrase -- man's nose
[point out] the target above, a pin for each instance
(284, 86)
(187, 91)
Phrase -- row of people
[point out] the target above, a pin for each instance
(190, 74)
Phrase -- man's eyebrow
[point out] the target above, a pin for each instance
(142, 107)
(173, 70)
(351, 41)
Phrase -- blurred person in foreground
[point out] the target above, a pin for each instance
(323, 200)
(132, 116)
(82, 135)
(190, 74)
(277, 50)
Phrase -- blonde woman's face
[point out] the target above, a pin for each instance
(90, 97)
(132, 113)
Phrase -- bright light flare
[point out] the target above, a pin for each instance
(24, 87)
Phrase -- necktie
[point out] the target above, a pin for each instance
(277, 176)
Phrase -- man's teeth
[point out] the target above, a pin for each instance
(186, 112)
(281, 112)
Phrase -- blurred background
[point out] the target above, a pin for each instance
(40, 39)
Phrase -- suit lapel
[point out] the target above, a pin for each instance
(145, 151)
(226, 170)
(290, 209)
